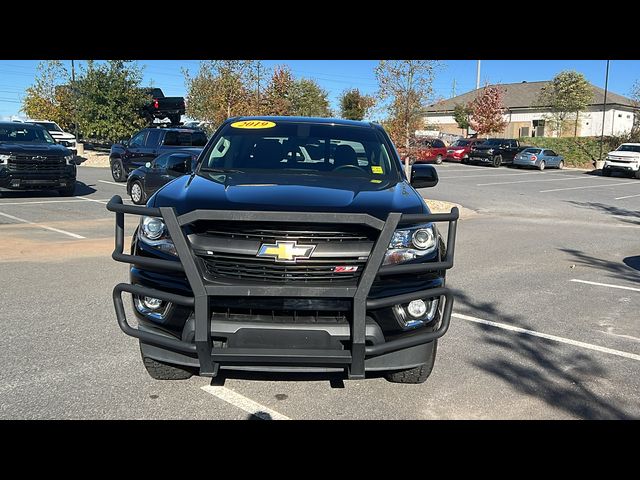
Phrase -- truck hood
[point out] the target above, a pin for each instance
(62, 135)
(624, 155)
(34, 149)
(287, 192)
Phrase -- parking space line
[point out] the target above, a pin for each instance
(244, 403)
(114, 183)
(627, 196)
(64, 232)
(500, 175)
(605, 284)
(555, 338)
(43, 202)
(591, 186)
(531, 181)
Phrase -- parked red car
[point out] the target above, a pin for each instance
(425, 150)
(459, 150)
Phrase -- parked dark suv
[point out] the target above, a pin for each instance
(31, 159)
(297, 244)
(495, 151)
(149, 143)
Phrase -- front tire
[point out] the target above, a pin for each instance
(68, 191)
(497, 161)
(417, 374)
(637, 175)
(117, 170)
(165, 371)
(137, 193)
(606, 172)
(561, 165)
(439, 159)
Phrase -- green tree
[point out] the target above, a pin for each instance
(354, 105)
(486, 112)
(110, 99)
(47, 98)
(220, 89)
(406, 86)
(566, 95)
(462, 116)
(278, 99)
(308, 99)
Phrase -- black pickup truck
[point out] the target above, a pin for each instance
(149, 143)
(31, 159)
(495, 151)
(297, 244)
(161, 107)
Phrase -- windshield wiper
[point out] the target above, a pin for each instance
(220, 170)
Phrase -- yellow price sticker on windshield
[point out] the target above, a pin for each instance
(376, 169)
(253, 124)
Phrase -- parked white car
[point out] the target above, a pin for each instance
(66, 138)
(624, 159)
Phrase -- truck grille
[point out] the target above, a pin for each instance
(246, 267)
(29, 164)
(301, 233)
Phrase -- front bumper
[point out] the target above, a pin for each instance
(455, 156)
(27, 180)
(354, 348)
(481, 157)
(630, 167)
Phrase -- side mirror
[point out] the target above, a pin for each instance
(423, 176)
(148, 164)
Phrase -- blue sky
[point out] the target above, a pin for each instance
(338, 75)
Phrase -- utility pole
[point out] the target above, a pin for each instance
(604, 109)
(453, 90)
(478, 76)
(75, 102)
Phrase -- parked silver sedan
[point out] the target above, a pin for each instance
(540, 158)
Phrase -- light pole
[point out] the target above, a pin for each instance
(604, 109)
(478, 76)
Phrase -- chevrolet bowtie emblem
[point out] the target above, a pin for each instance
(285, 251)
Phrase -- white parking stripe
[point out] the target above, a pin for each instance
(628, 196)
(74, 235)
(244, 403)
(42, 202)
(591, 186)
(104, 202)
(531, 181)
(606, 284)
(555, 338)
(114, 183)
(502, 175)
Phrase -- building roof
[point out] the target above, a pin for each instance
(525, 95)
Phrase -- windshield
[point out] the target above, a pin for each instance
(22, 133)
(629, 148)
(493, 141)
(50, 126)
(300, 148)
(461, 143)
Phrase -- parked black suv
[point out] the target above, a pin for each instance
(495, 151)
(297, 244)
(149, 143)
(31, 159)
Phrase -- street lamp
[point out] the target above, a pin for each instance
(604, 109)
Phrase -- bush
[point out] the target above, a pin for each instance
(578, 152)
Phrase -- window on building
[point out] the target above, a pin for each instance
(538, 128)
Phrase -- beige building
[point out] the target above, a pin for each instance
(526, 119)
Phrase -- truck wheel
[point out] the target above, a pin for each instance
(117, 170)
(497, 161)
(164, 371)
(439, 159)
(638, 175)
(174, 119)
(417, 374)
(137, 193)
(68, 191)
(606, 172)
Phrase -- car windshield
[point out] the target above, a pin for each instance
(629, 148)
(493, 141)
(300, 148)
(461, 143)
(22, 133)
(534, 151)
(50, 126)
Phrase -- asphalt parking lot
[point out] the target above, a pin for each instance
(545, 326)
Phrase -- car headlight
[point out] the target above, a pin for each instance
(4, 159)
(153, 232)
(410, 244)
(490, 151)
(69, 159)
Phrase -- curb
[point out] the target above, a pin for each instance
(442, 206)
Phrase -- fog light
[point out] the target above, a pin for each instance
(152, 303)
(417, 308)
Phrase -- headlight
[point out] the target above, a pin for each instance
(154, 233)
(69, 159)
(410, 244)
(490, 151)
(4, 159)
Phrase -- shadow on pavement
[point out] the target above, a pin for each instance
(558, 374)
(335, 379)
(623, 270)
(624, 215)
(82, 189)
